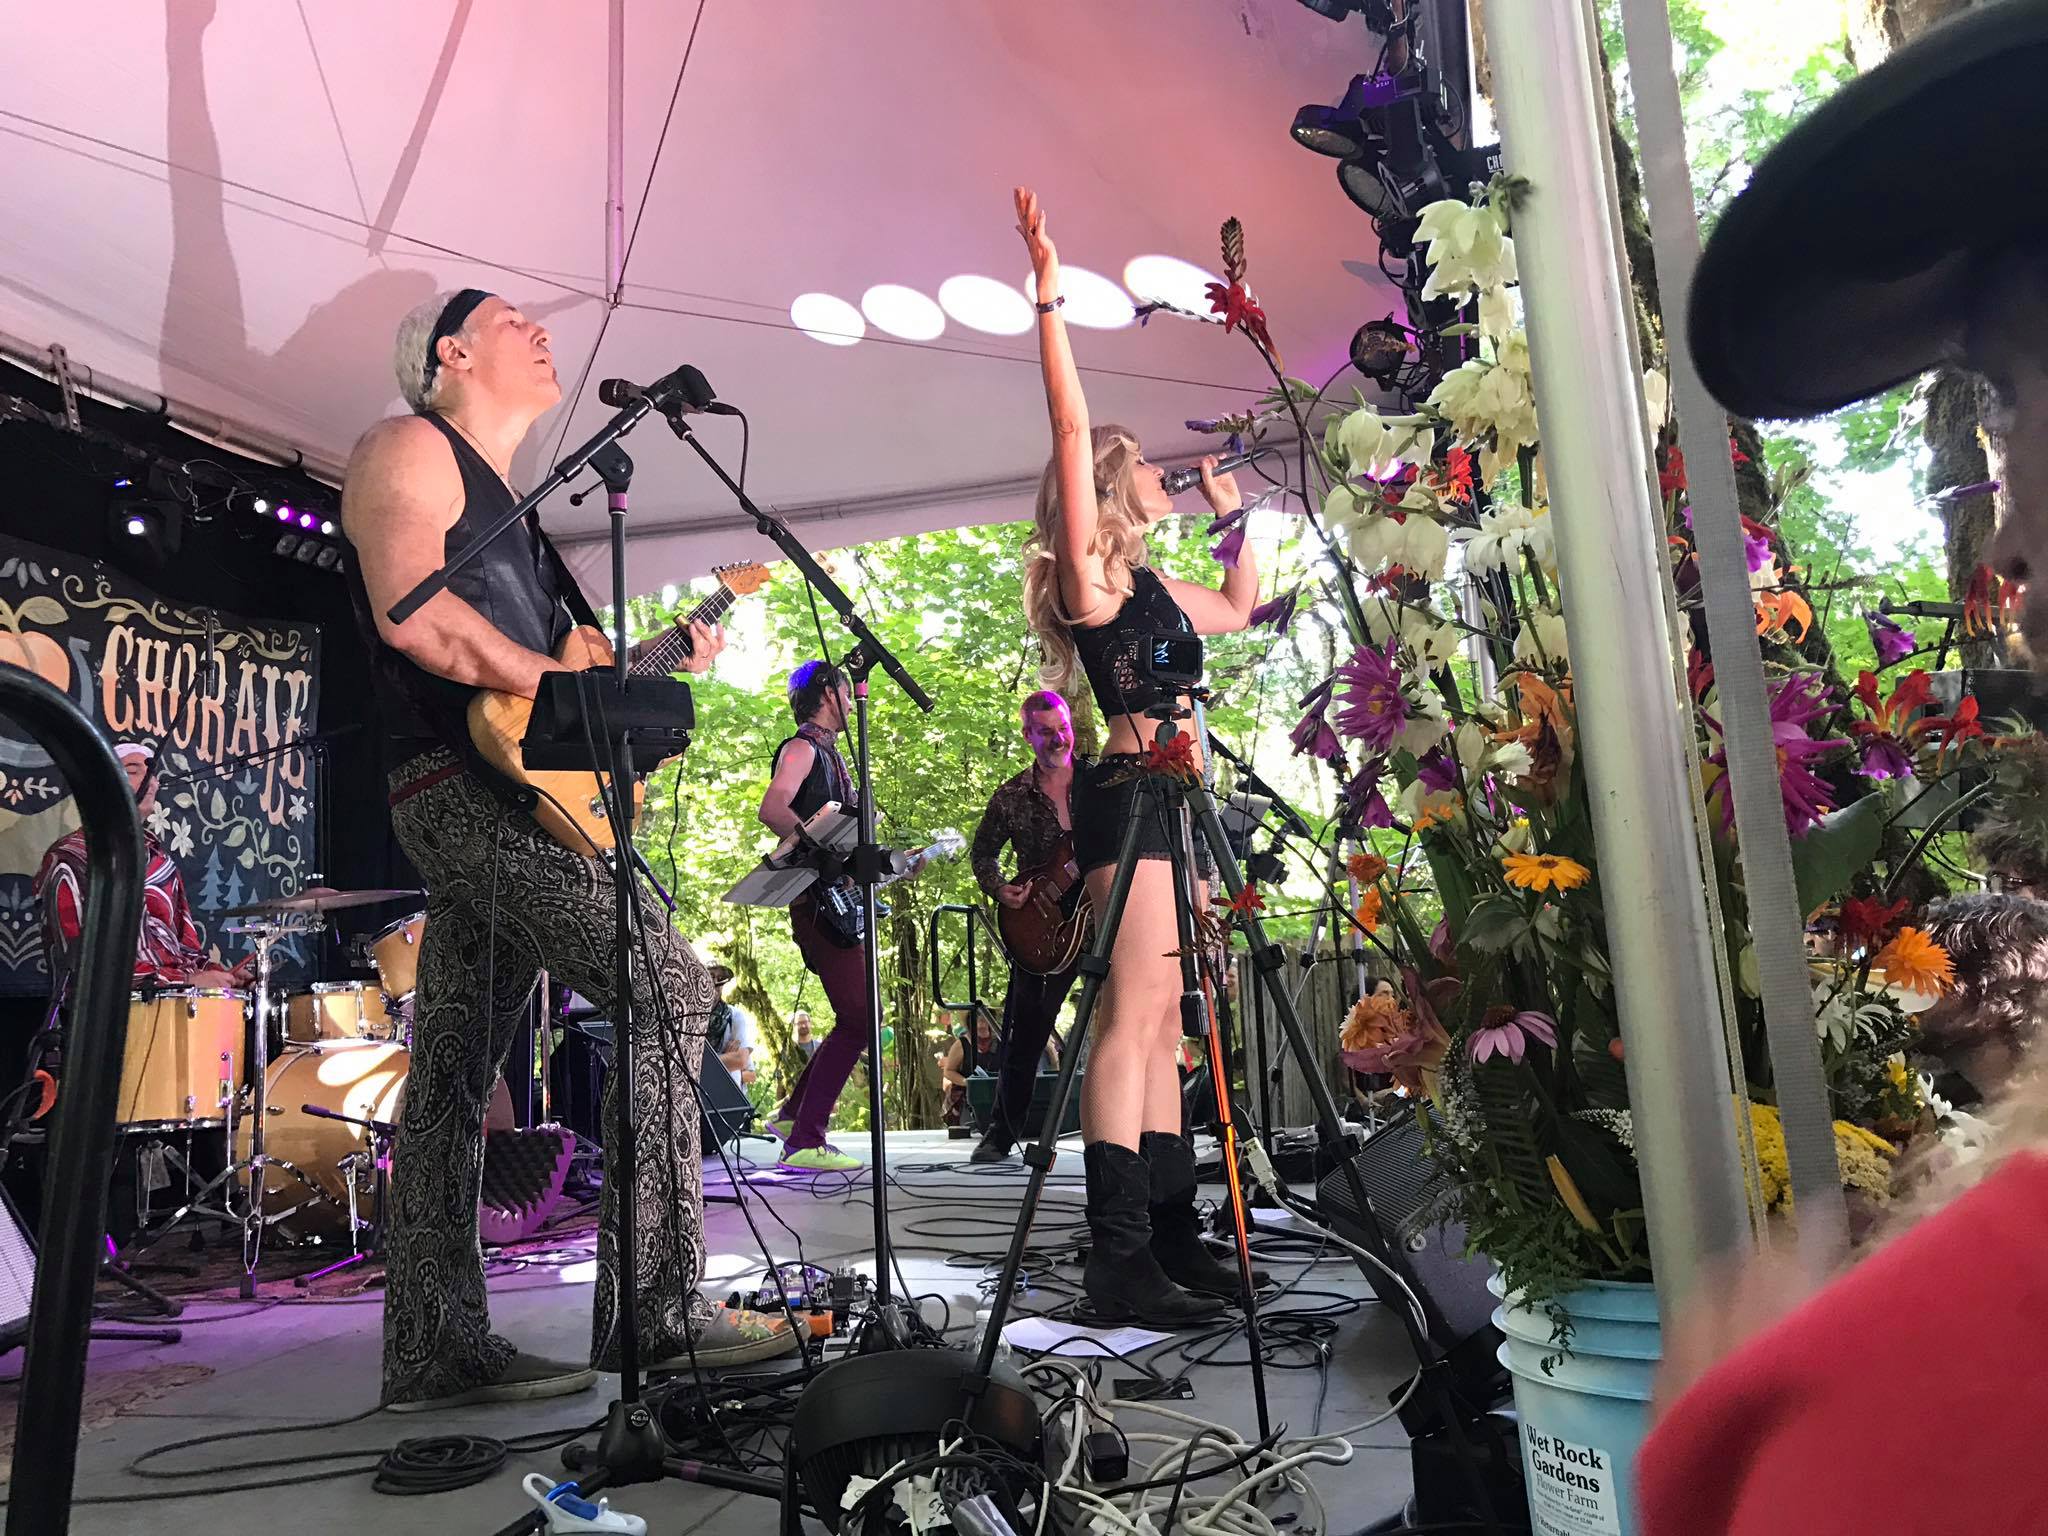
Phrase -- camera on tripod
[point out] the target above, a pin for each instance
(1171, 661)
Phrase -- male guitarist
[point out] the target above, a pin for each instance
(505, 900)
(1031, 813)
(808, 773)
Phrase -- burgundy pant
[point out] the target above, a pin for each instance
(844, 975)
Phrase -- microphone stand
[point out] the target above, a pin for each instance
(869, 858)
(631, 1448)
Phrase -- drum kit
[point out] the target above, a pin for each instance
(314, 1139)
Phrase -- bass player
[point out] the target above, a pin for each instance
(504, 899)
(1032, 813)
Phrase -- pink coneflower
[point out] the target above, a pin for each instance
(1373, 709)
(1508, 1034)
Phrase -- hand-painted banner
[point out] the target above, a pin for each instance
(221, 698)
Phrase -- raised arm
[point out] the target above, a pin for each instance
(1083, 590)
(402, 495)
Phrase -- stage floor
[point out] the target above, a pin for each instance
(287, 1360)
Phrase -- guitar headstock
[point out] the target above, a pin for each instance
(744, 579)
(948, 844)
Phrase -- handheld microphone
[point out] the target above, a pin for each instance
(685, 390)
(1178, 480)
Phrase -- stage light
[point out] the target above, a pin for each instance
(1362, 183)
(983, 304)
(284, 513)
(1092, 299)
(1379, 349)
(260, 505)
(307, 519)
(286, 543)
(327, 528)
(328, 558)
(137, 525)
(826, 317)
(903, 312)
(123, 483)
(1340, 130)
(1169, 280)
(155, 524)
(308, 550)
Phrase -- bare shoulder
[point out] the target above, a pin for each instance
(403, 467)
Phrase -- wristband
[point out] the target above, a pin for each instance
(1051, 305)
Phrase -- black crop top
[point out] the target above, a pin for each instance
(1111, 653)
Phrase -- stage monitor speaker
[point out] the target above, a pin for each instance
(727, 1111)
(1403, 1186)
(981, 1102)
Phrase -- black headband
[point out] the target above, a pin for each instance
(453, 317)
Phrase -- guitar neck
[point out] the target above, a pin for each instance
(660, 657)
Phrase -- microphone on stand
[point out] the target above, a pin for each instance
(1178, 480)
(685, 390)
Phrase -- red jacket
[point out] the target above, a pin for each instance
(1908, 1397)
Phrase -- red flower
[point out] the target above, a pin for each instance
(1699, 674)
(1385, 583)
(1953, 730)
(1738, 456)
(1176, 759)
(1988, 604)
(1866, 924)
(1671, 478)
(1237, 307)
(1246, 901)
(1458, 474)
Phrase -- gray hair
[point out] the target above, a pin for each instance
(409, 352)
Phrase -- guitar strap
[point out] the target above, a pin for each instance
(566, 584)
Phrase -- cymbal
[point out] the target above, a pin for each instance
(318, 898)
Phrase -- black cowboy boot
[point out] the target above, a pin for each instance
(1177, 1229)
(1123, 1280)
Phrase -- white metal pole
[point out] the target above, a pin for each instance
(615, 159)
(1634, 743)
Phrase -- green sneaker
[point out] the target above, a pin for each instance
(824, 1159)
(779, 1129)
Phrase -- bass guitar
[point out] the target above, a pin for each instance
(1045, 935)
(571, 808)
(819, 845)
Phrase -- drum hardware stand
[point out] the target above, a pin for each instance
(378, 1157)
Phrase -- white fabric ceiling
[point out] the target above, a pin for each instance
(232, 205)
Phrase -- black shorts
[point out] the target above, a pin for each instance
(1102, 809)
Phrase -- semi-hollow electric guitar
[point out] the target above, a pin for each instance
(1046, 934)
(571, 808)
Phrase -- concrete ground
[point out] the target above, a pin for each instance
(298, 1361)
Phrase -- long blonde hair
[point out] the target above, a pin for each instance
(1119, 540)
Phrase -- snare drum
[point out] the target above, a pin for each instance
(366, 1080)
(183, 1058)
(395, 951)
(337, 1010)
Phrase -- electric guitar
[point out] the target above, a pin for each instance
(571, 808)
(1045, 935)
(838, 895)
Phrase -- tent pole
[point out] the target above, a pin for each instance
(1635, 745)
(615, 159)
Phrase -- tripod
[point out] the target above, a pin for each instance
(1169, 797)
(1163, 794)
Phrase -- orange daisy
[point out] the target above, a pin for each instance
(1915, 962)
(1544, 871)
(1431, 815)
(1366, 867)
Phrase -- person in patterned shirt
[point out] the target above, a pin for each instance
(1031, 813)
(168, 952)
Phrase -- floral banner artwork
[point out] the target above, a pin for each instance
(220, 697)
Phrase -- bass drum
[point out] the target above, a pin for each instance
(360, 1079)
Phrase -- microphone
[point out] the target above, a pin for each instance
(1178, 480)
(685, 390)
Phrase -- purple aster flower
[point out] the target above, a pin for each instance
(1313, 735)
(1278, 611)
(1798, 702)
(1892, 641)
(1374, 710)
(1438, 771)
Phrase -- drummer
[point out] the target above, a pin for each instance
(169, 953)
